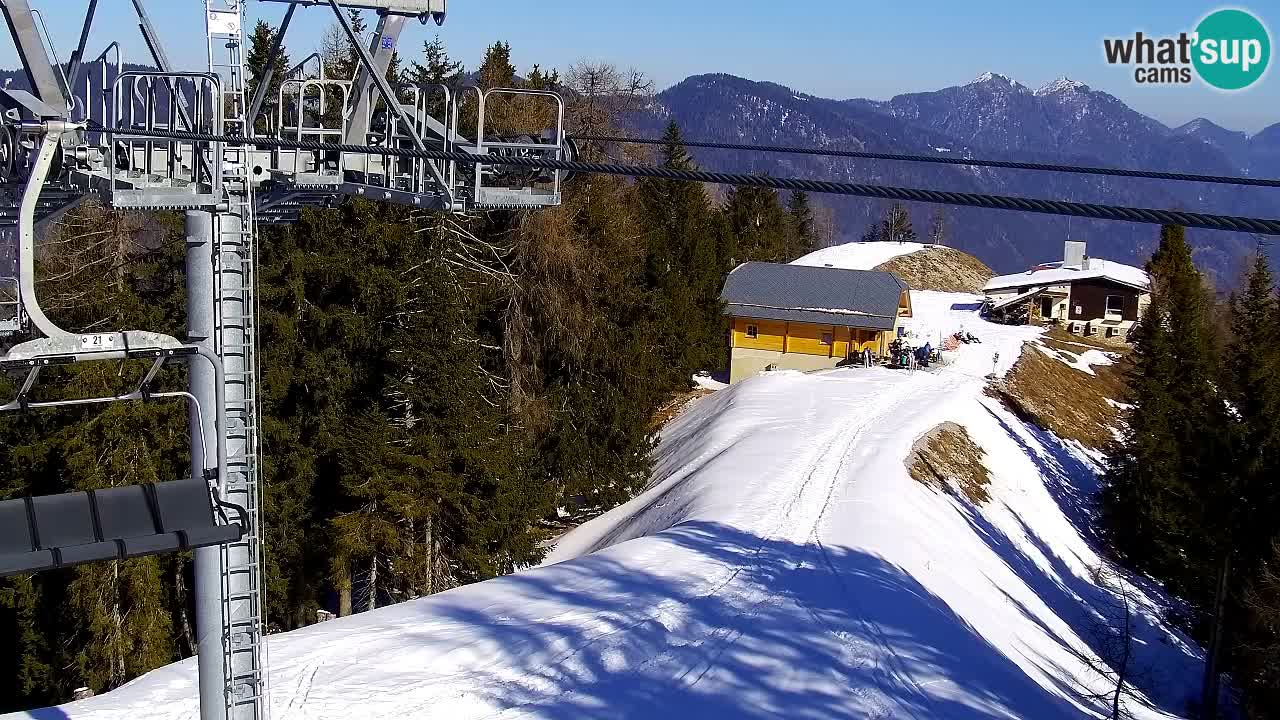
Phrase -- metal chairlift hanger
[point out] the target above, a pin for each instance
(56, 146)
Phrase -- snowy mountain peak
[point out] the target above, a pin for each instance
(1063, 85)
(1203, 126)
(997, 79)
(1200, 124)
(1230, 141)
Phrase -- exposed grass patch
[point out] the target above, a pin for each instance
(1069, 403)
(947, 459)
(940, 268)
(671, 409)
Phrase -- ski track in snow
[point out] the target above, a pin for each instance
(781, 563)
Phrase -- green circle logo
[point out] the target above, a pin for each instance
(1232, 49)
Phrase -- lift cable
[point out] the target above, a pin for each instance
(1006, 164)
(994, 202)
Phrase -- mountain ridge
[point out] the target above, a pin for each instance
(993, 116)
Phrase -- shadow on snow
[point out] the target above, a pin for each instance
(797, 630)
(1166, 665)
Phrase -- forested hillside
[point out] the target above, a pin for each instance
(435, 388)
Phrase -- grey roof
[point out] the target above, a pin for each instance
(825, 296)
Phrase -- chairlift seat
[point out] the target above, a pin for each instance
(125, 514)
(18, 551)
(66, 524)
(42, 533)
(179, 510)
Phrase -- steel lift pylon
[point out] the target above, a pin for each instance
(68, 134)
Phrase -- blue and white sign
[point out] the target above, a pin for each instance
(388, 43)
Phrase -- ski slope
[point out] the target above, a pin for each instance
(781, 564)
(859, 255)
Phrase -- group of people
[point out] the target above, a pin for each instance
(904, 355)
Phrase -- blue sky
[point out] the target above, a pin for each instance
(833, 48)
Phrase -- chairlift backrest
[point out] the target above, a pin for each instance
(53, 531)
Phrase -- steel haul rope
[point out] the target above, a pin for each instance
(964, 199)
(936, 159)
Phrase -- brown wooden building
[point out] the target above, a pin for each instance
(1083, 295)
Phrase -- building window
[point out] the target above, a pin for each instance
(753, 332)
(1112, 332)
(827, 338)
(902, 332)
(1115, 305)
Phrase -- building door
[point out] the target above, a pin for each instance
(1046, 308)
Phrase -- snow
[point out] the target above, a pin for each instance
(1084, 362)
(1062, 84)
(859, 255)
(707, 382)
(1018, 298)
(989, 76)
(780, 563)
(1054, 274)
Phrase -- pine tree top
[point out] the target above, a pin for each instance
(674, 153)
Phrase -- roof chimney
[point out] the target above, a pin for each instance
(1073, 255)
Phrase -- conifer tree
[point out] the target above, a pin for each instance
(1258, 664)
(1253, 369)
(587, 371)
(496, 69)
(801, 236)
(682, 265)
(541, 80)
(759, 224)
(1165, 486)
(1253, 388)
(257, 61)
(437, 68)
(340, 58)
(1172, 486)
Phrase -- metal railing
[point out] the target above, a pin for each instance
(149, 100)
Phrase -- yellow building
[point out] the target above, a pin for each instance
(809, 318)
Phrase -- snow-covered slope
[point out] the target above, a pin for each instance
(858, 255)
(782, 563)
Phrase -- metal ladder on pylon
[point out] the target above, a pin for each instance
(235, 283)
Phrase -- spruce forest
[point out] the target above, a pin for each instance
(1193, 484)
(439, 393)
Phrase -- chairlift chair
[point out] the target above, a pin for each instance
(42, 533)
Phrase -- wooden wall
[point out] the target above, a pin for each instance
(805, 338)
